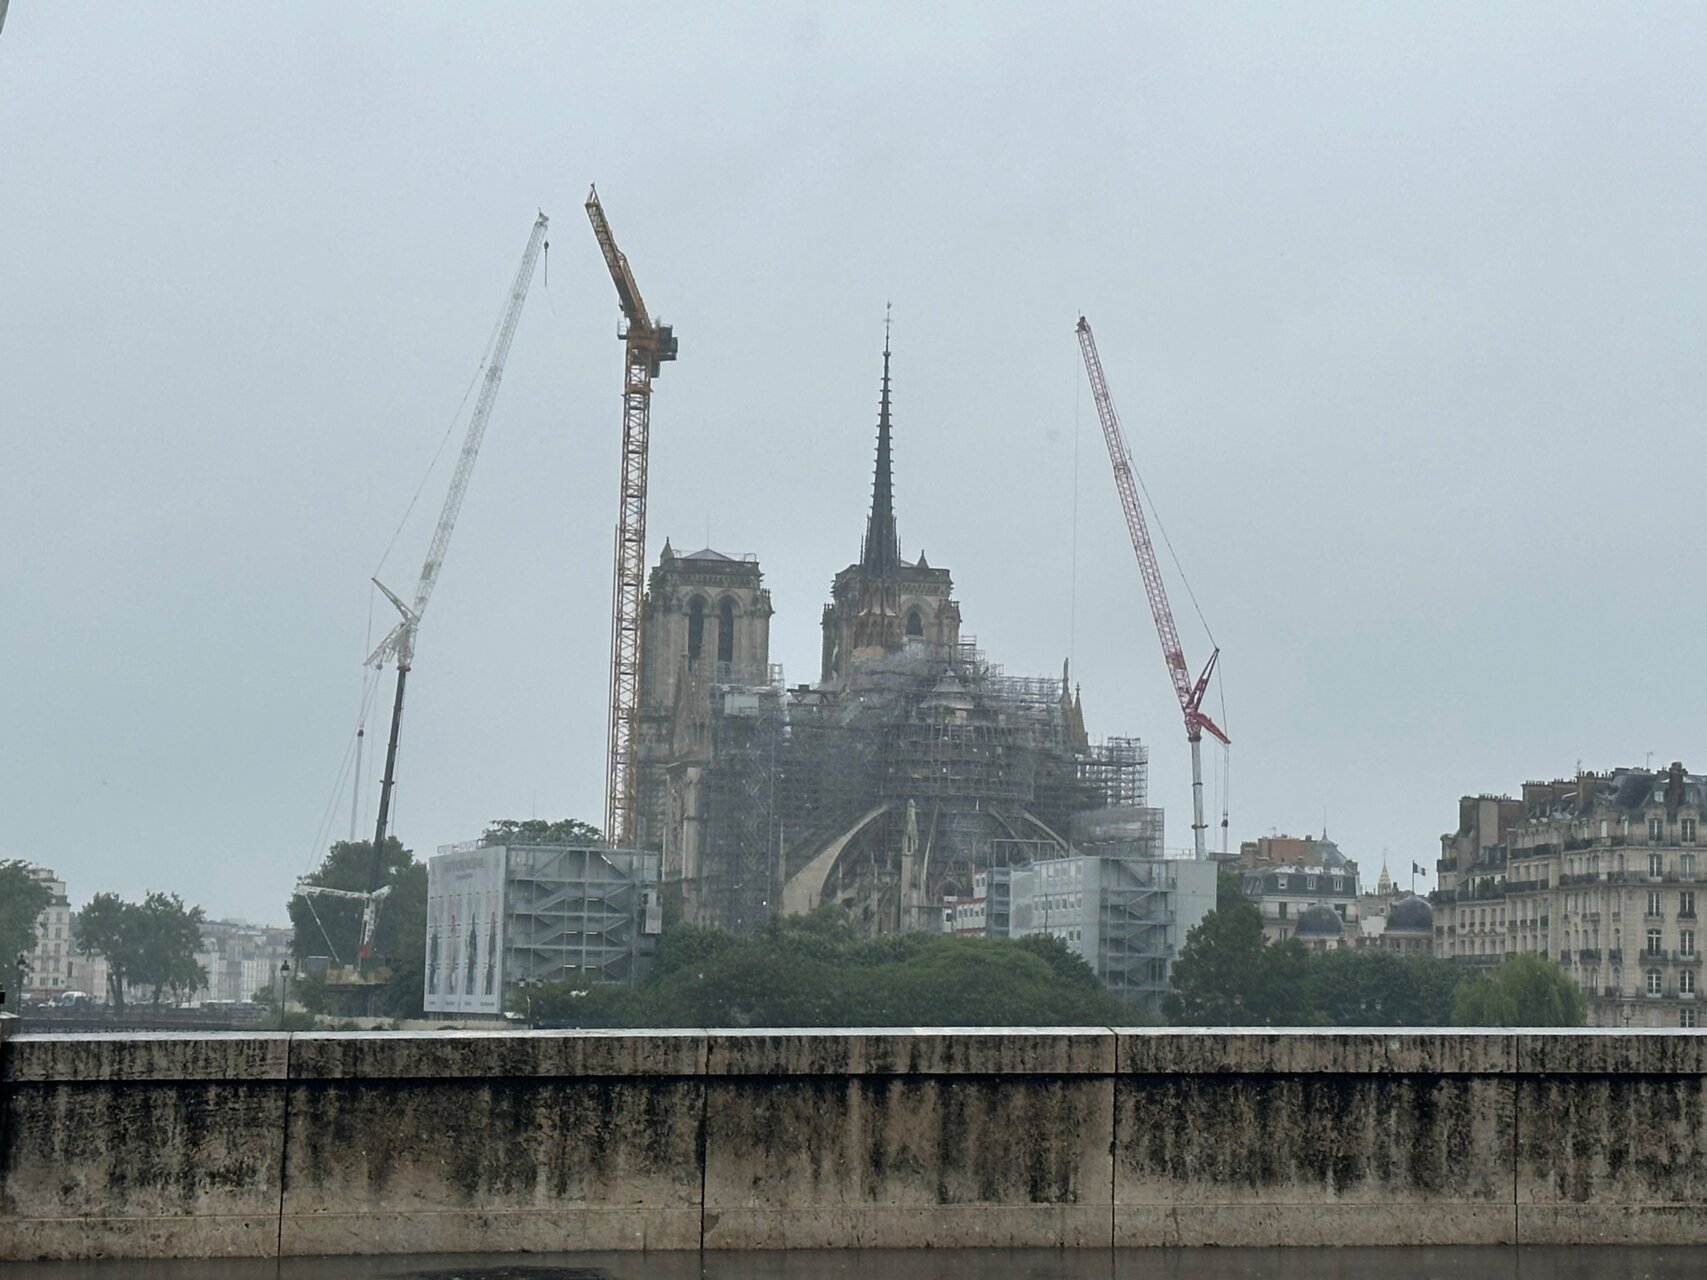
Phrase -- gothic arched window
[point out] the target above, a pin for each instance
(726, 632)
(696, 628)
(915, 624)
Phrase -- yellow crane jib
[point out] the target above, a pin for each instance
(647, 345)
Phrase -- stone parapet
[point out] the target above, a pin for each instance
(276, 1145)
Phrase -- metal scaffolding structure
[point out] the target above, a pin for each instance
(740, 858)
(577, 911)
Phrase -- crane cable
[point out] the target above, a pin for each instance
(1073, 596)
(485, 359)
(370, 680)
(1168, 542)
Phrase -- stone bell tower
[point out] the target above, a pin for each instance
(882, 604)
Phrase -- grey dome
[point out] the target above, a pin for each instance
(1319, 921)
(1413, 914)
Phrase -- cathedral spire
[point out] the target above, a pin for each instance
(881, 554)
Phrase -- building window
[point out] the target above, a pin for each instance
(915, 624)
(1280, 882)
(696, 628)
(1686, 904)
(1654, 908)
(1656, 866)
(1656, 982)
(1686, 1017)
(1686, 865)
(1653, 942)
(1686, 982)
(1686, 830)
(1282, 910)
(726, 632)
(1656, 830)
(1339, 884)
(1686, 942)
(1309, 882)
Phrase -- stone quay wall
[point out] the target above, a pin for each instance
(187, 1145)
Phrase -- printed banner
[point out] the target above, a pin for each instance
(465, 932)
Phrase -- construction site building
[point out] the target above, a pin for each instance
(910, 768)
(502, 917)
(1127, 917)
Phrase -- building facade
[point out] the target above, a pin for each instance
(1600, 874)
(1285, 892)
(1127, 917)
(240, 960)
(54, 966)
(1403, 924)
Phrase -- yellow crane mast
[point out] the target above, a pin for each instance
(646, 346)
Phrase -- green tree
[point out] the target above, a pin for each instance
(104, 928)
(1527, 990)
(569, 831)
(152, 943)
(1381, 989)
(1229, 975)
(22, 900)
(323, 926)
(1229, 888)
(816, 971)
(171, 934)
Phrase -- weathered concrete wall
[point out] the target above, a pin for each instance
(260, 1145)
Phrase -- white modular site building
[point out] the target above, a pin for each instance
(503, 916)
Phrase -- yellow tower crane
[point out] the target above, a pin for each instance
(647, 345)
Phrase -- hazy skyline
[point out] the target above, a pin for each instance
(1401, 307)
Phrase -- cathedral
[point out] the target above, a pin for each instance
(910, 770)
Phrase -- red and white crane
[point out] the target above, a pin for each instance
(1189, 692)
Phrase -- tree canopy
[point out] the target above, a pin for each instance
(22, 900)
(569, 831)
(324, 926)
(149, 944)
(1227, 974)
(1527, 990)
(815, 971)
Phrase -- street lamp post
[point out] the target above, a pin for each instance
(284, 990)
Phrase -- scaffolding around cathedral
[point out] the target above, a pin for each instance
(1120, 769)
(741, 840)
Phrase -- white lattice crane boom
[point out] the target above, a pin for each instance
(399, 645)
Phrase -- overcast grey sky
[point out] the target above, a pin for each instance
(1402, 306)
